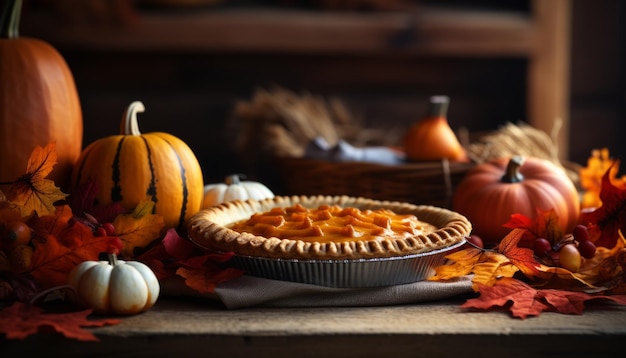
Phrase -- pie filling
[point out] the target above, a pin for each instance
(332, 223)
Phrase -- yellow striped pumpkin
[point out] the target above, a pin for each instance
(132, 167)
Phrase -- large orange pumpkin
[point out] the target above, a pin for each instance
(39, 102)
(491, 192)
(132, 167)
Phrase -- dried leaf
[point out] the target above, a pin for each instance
(544, 225)
(21, 320)
(598, 164)
(177, 256)
(524, 301)
(139, 229)
(32, 191)
(462, 264)
(60, 245)
(522, 258)
(202, 273)
(609, 218)
(488, 266)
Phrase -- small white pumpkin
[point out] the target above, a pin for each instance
(234, 189)
(114, 286)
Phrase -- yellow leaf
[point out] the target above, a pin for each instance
(463, 262)
(144, 207)
(32, 192)
(489, 272)
(138, 230)
(486, 265)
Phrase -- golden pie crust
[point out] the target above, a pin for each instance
(411, 229)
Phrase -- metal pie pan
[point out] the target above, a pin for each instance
(359, 273)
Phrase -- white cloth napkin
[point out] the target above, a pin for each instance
(249, 291)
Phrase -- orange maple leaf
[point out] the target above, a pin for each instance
(524, 301)
(610, 217)
(488, 266)
(544, 225)
(202, 274)
(138, 229)
(21, 320)
(61, 244)
(32, 191)
(522, 258)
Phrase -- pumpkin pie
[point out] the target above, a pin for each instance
(326, 228)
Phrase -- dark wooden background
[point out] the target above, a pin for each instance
(191, 94)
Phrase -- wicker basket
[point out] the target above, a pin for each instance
(428, 183)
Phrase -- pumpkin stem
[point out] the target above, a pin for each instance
(439, 106)
(129, 124)
(10, 19)
(512, 174)
(112, 259)
(232, 179)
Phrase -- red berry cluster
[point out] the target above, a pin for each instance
(106, 229)
(569, 252)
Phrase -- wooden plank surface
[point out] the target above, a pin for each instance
(202, 328)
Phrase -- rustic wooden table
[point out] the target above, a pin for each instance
(203, 328)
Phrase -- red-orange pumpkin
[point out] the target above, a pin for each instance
(132, 167)
(39, 102)
(491, 192)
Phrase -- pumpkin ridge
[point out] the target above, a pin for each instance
(183, 178)
(152, 190)
(116, 189)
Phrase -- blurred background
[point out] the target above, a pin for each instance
(556, 64)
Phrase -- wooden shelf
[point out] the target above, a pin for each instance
(429, 31)
(540, 36)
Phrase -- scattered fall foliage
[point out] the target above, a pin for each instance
(21, 320)
(523, 300)
(511, 275)
(64, 233)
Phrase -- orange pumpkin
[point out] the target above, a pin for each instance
(491, 192)
(39, 103)
(431, 138)
(132, 167)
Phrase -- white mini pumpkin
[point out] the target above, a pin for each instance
(234, 189)
(114, 286)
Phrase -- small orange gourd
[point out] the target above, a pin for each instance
(132, 167)
(431, 138)
(39, 102)
(492, 191)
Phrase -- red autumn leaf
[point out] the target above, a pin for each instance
(177, 247)
(544, 225)
(510, 293)
(61, 244)
(177, 256)
(83, 201)
(609, 218)
(524, 301)
(521, 257)
(21, 320)
(202, 273)
(32, 191)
